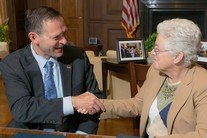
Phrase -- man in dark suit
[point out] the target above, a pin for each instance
(75, 87)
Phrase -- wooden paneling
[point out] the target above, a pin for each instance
(111, 32)
(70, 8)
(105, 9)
(91, 18)
(72, 11)
(84, 19)
(104, 22)
(106, 33)
(100, 18)
(112, 9)
(16, 9)
(95, 9)
(31, 4)
(20, 8)
(12, 26)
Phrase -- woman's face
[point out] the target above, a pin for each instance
(163, 60)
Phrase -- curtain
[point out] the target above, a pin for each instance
(3, 12)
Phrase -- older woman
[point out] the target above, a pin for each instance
(173, 100)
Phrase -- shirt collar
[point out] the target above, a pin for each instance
(41, 60)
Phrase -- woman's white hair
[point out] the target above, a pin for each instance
(181, 35)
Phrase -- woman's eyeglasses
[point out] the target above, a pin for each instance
(157, 51)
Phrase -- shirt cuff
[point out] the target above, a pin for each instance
(67, 106)
(80, 132)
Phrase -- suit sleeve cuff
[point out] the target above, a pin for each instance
(67, 106)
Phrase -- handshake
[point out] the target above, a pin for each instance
(88, 103)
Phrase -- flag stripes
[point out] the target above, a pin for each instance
(130, 17)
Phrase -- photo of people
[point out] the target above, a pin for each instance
(202, 52)
(131, 50)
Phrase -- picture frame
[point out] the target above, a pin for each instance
(130, 49)
(93, 40)
(202, 52)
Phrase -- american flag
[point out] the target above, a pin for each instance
(130, 17)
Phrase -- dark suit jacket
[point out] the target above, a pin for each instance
(25, 91)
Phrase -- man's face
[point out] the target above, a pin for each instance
(52, 39)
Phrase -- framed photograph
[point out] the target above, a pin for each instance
(93, 40)
(202, 52)
(130, 50)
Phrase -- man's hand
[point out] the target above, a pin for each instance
(87, 103)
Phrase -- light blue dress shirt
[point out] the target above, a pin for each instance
(67, 103)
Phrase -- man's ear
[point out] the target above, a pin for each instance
(179, 57)
(34, 37)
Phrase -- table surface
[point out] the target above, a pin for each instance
(11, 132)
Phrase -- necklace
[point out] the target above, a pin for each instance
(168, 90)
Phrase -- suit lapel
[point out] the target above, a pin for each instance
(32, 71)
(154, 90)
(35, 75)
(149, 98)
(65, 71)
(180, 97)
